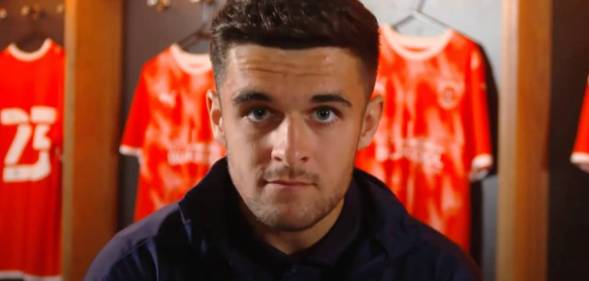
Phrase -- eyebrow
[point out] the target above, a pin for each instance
(331, 97)
(248, 96)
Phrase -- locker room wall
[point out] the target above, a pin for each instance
(568, 232)
(148, 32)
(15, 26)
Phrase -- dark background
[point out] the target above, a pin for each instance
(15, 27)
(568, 248)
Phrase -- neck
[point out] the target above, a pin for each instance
(291, 242)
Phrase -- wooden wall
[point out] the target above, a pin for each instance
(93, 92)
(523, 140)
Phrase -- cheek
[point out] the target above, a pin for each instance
(247, 153)
(252, 145)
(335, 145)
(336, 150)
(252, 149)
(343, 137)
(245, 163)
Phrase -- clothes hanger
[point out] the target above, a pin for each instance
(160, 5)
(201, 34)
(418, 14)
(195, 37)
(3, 14)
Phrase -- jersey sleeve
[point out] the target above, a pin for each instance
(478, 143)
(580, 154)
(137, 120)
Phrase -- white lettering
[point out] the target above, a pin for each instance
(417, 150)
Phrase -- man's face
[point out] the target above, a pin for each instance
(291, 121)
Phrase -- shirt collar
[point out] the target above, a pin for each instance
(328, 250)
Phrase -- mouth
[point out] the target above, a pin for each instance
(287, 184)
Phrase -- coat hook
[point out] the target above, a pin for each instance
(33, 11)
(205, 1)
(159, 5)
(3, 13)
(60, 9)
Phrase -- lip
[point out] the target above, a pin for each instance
(288, 185)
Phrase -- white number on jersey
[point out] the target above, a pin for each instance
(37, 125)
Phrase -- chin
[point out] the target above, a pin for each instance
(291, 225)
(289, 221)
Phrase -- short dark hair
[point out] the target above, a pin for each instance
(296, 24)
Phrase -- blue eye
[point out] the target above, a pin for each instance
(324, 115)
(258, 114)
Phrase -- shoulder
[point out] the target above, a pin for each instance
(134, 253)
(420, 252)
(446, 258)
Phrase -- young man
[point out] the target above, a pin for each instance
(292, 107)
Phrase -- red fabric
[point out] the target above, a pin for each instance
(168, 128)
(434, 128)
(31, 116)
(581, 151)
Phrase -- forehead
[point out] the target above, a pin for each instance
(294, 75)
(313, 62)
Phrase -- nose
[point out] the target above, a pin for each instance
(291, 142)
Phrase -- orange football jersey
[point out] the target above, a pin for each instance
(31, 106)
(168, 128)
(434, 133)
(581, 151)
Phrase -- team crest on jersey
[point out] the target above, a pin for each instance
(450, 93)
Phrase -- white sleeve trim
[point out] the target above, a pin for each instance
(480, 167)
(14, 274)
(131, 151)
(580, 158)
(483, 161)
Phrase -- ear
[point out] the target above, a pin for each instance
(370, 120)
(215, 116)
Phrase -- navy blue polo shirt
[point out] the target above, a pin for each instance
(204, 237)
(310, 264)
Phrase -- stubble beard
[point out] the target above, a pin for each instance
(292, 216)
